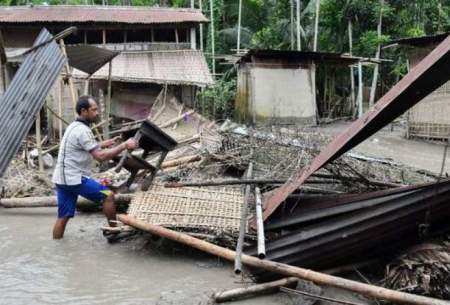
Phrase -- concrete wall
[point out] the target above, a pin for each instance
(277, 95)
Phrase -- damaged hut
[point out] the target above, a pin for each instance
(280, 86)
(158, 54)
(428, 119)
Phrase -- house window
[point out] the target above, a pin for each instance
(139, 35)
(115, 36)
(164, 35)
(94, 37)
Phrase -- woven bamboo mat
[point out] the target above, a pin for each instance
(209, 210)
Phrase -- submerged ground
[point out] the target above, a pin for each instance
(84, 269)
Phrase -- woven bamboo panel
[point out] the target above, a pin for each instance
(194, 209)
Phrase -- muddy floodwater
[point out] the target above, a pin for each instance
(84, 269)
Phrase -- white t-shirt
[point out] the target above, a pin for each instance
(74, 156)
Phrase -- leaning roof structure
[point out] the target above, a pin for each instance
(100, 14)
(181, 67)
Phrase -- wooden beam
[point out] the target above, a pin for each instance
(284, 269)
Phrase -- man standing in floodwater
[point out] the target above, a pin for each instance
(73, 168)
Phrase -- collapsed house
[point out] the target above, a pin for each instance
(159, 56)
(428, 119)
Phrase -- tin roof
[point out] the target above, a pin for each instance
(420, 41)
(298, 56)
(181, 67)
(26, 94)
(100, 14)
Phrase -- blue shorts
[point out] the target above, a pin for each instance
(68, 195)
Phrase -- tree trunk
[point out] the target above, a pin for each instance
(373, 89)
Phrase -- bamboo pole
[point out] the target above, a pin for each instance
(243, 224)
(51, 201)
(360, 89)
(180, 161)
(284, 269)
(240, 293)
(38, 141)
(177, 119)
(260, 225)
(71, 86)
(60, 109)
(108, 102)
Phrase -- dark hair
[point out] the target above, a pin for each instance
(83, 103)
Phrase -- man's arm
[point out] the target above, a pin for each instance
(109, 143)
(100, 154)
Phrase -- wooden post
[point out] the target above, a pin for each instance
(104, 37)
(69, 76)
(152, 33)
(360, 91)
(38, 141)
(108, 102)
(284, 269)
(85, 37)
(260, 225)
(259, 289)
(243, 224)
(213, 47)
(316, 25)
(125, 37)
(176, 36)
(193, 39)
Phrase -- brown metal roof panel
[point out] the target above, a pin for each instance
(103, 14)
(424, 78)
(26, 94)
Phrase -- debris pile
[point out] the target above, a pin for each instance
(423, 269)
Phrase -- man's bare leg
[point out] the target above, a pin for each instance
(109, 209)
(59, 227)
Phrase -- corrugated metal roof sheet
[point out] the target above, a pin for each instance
(26, 94)
(183, 67)
(89, 58)
(103, 14)
(357, 227)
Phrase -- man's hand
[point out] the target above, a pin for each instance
(131, 144)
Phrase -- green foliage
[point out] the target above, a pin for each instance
(217, 102)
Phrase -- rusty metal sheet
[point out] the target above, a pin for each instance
(392, 222)
(423, 79)
(26, 94)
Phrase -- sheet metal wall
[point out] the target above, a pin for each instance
(26, 95)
